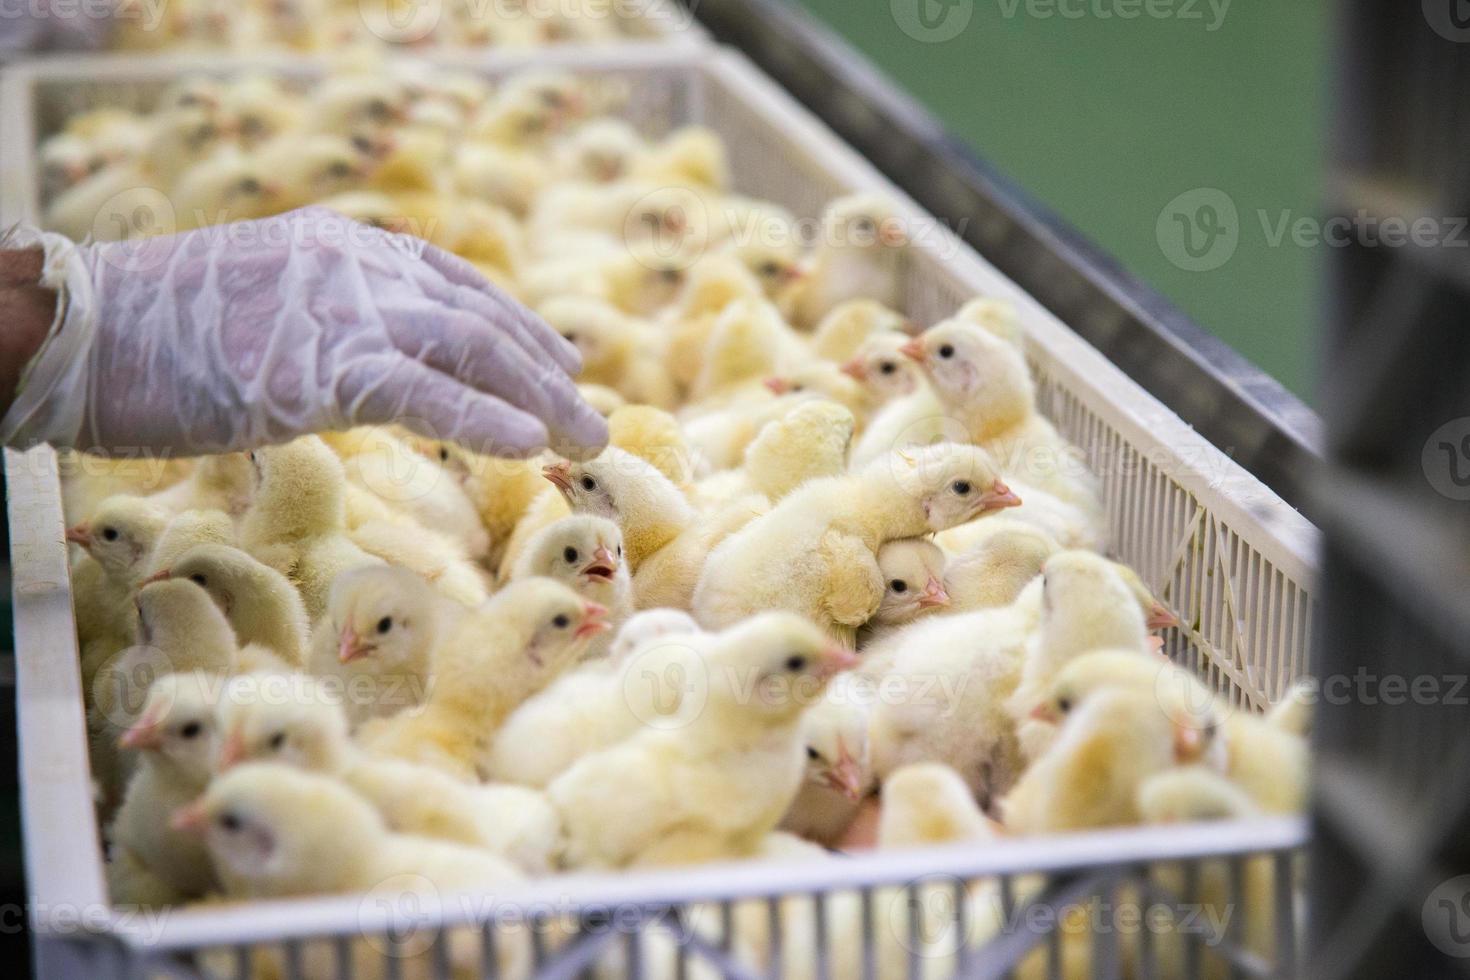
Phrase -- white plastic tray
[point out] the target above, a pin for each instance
(1224, 552)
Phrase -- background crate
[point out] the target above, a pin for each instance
(1231, 559)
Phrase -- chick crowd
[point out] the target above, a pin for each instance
(835, 584)
(263, 26)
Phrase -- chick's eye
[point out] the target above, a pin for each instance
(339, 170)
(278, 741)
(812, 753)
(230, 822)
(888, 367)
(570, 554)
(385, 624)
(562, 621)
(249, 186)
(199, 580)
(443, 454)
(191, 730)
(769, 269)
(1064, 705)
(961, 487)
(795, 662)
(946, 351)
(589, 484)
(899, 585)
(109, 534)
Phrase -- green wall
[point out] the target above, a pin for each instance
(1108, 121)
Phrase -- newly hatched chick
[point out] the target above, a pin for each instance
(913, 572)
(984, 384)
(864, 242)
(490, 661)
(617, 350)
(993, 572)
(929, 804)
(716, 786)
(185, 532)
(843, 333)
(176, 738)
(815, 552)
(882, 369)
(500, 490)
(585, 553)
(117, 538)
(375, 637)
(273, 831)
(810, 442)
(654, 436)
(261, 604)
(310, 732)
(228, 186)
(297, 521)
(655, 661)
(839, 769)
(1091, 776)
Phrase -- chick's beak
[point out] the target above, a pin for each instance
(935, 595)
(145, 735)
(893, 235)
(1189, 744)
(846, 776)
(350, 646)
(1160, 618)
(595, 621)
(777, 386)
(836, 659)
(604, 565)
(1043, 712)
(560, 475)
(232, 753)
(855, 369)
(914, 350)
(911, 327)
(81, 534)
(162, 575)
(191, 818)
(999, 497)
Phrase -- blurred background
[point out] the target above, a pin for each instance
(1109, 121)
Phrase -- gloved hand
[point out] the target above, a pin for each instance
(49, 25)
(239, 335)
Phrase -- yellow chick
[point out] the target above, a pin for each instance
(499, 175)
(176, 740)
(713, 282)
(861, 255)
(809, 443)
(262, 606)
(310, 733)
(929, 804)
(748, 343)
(500, 490)
(995, 570)
(584, 553)
(297, 521)
(815, 552)
(716, 786)
(886, 375)
(1091, 776)
(617, 350)
(261, 107)
(360, 103)
(229, 186)
(823, 380)
(318, 167)
(273, 831)
(999, 316)
(599, 152)
(184, 532)
(839, 771)
(913, 571)
(984, 385)
(842, 333)
(489, 662)
(117, 539)
(374, 639)
(604, 400)
(656, 437)
(692, 156)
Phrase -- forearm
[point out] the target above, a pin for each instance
(26, 312)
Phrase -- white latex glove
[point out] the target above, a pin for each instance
(240, 335)
(54, 25)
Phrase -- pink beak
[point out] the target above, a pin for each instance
(604, 564)
(777, 386)
(999, 498)
(1160, 618)
(145, 735)
(191, 818)
(913, 350)
(162, 575)
(855, 369)
(1189, 743)
(1043, 713)
(350, 646)
(560, 474)
(893, 235)
(836, 659)
(81, 534)
(595, 622)
(232, 753)
(934, 595)
(846, 776)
